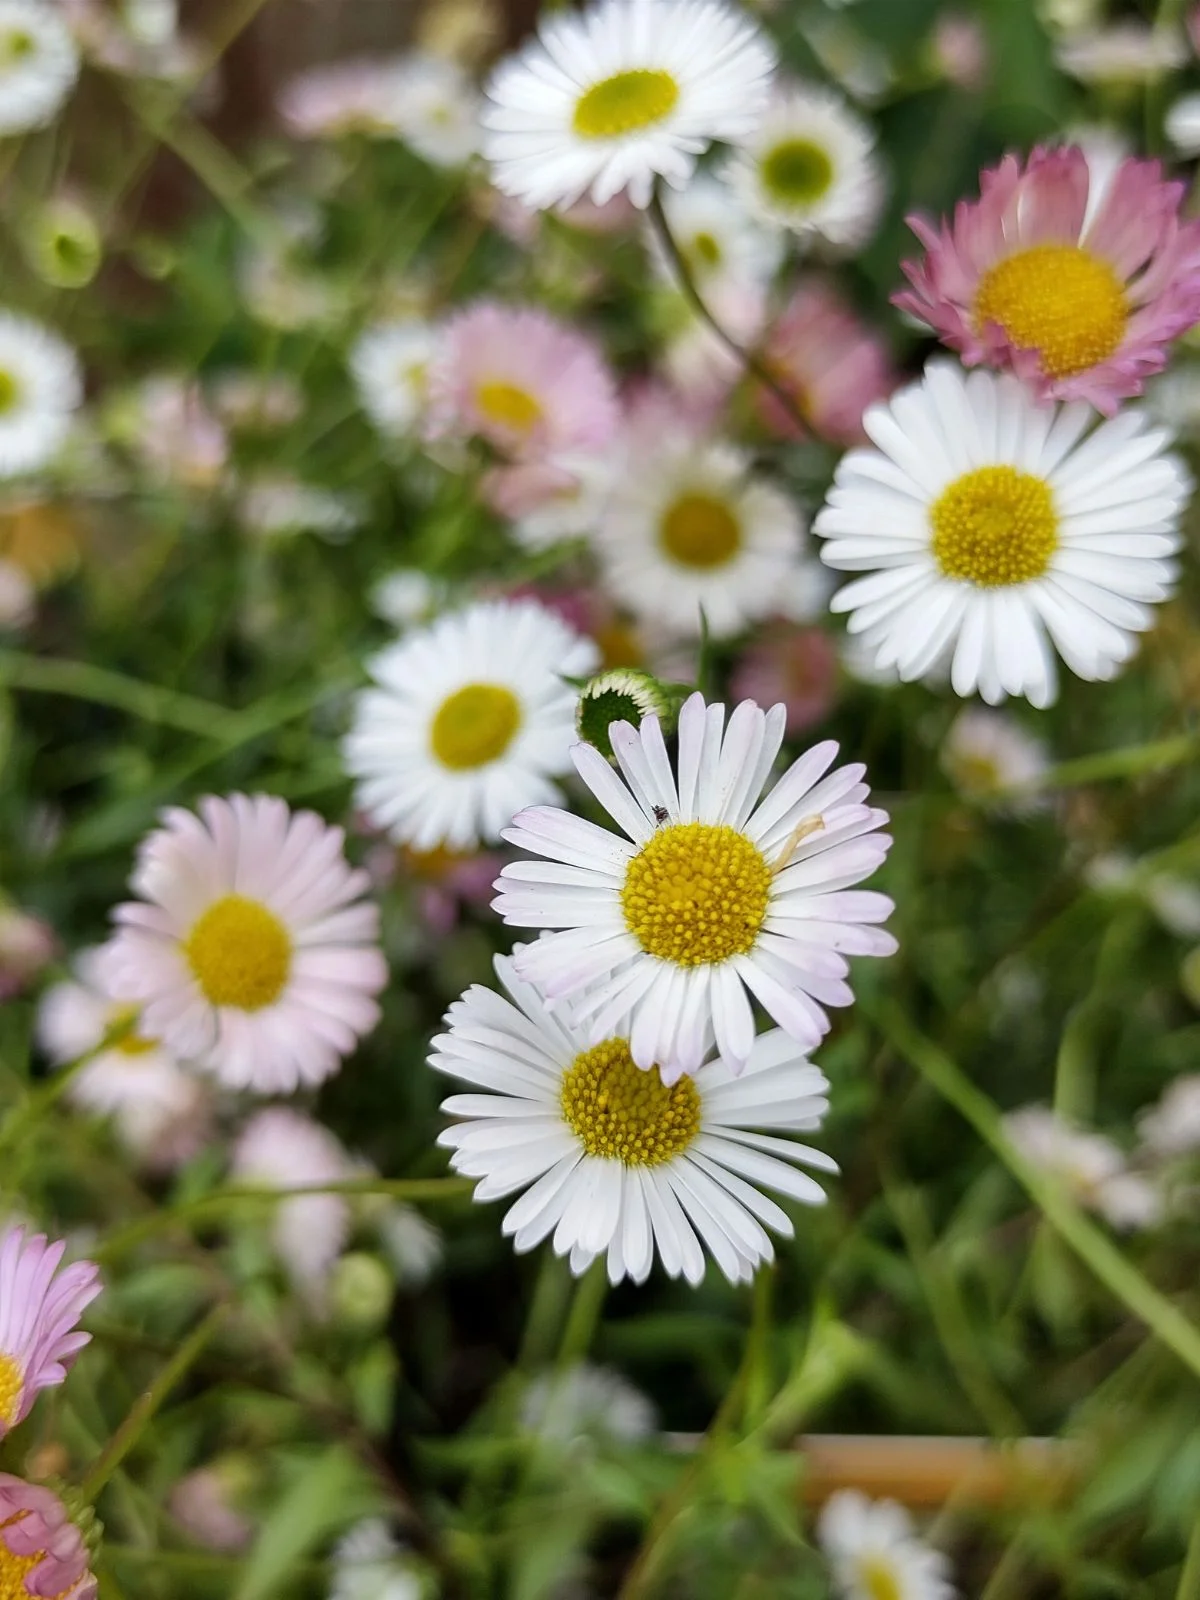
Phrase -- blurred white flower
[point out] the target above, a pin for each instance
(1183, 125)
(990, 758)
(1089, 1166)
(389, 364)
(405, 596)
(38, 64)
(41, 387)
(1172, 1126)
(368, 1564)
(1124, 53)
(720, 239)
(875, 1553)
(586, 1406)
(18, 596)
(274, 506)
(413, 1245)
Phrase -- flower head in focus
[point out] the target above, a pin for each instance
(39, 64)
(1075, 285)
(615, 1162)
(621, 94)
(471, 719)
(40, 1308)
(810, 166)
(42, 1552)
(41, 387)
(875, 1553)
(710, 894)
(250, 950)
(991, 529)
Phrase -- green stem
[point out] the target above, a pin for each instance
(586, 1306)
(79, 680)
(687, 287)
(200, 1562)
(147, 1405)
(1093, 1247)
(410, 1189)
(29, 1113)
(547, 1313)
(1189, 1578)
(1132, 761)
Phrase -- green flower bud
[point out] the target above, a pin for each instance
(63, 244)
(623, 695)
(361, 1292)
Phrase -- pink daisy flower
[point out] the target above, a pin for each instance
(250, 951)
(39, 1311)
(42, 1552)
(520, 379)
(793, 667)
(1075, 285)
(831, 364)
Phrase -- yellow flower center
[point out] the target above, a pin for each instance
(796, 173)
(10, 392)
(878, 1578)
(616, 1110)
(131, 1042)
(976, 775)
(508, 406)
(700, 531)
(705, 250)
(625, 103)
(696, 892)
(11, 1384)
(475, 726)
(240, 954)
(1056, 299)
(15, 45)
(993, 527)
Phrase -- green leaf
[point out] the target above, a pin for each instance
(326, 1495)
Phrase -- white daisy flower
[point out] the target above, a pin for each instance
(389, 363)
(1089, 1166)
(719, 892)
(875, 1552)
(719, 239)
(437, 109)
(40, 388)
(250, 951)
(811, 167)
(613, 1161)
(993, 528)
(39, 63)
(990, 758)
(686, 528)
(368, 1564)
(471, 720)
(583, 1406)
(274, 505)
(628, 91)
(160, 1111)
(1171, 1127)
(1183, 125)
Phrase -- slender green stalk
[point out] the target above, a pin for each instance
(586, 1306)
(199, 1562)
(148, 1404)
(1132, 761)
(411, 1189)
(547, 1313)
(1094, 1248)
(1189, 1578)
(80, 680)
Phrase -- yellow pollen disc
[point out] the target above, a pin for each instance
(994, 527)
(878, 1579)
(15, 46)
(625, 103)
(706, 250)
(797, 172)
(131, 1043)
(475, 726)
(508, 406)
(10, 392)
(240, 954)
(696, 893)
(11, 1384)
(616, 1110)
(1059, 300)
(700, 531)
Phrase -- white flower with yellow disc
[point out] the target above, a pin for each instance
(875, 1553)
(471, 720)
(713, 894)
(995, 530)
(613, 1161)
(611, 98)
(41, 387)
(39, 63)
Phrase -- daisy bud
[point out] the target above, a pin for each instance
(623, 695)
(63, 244)
(361, 1293)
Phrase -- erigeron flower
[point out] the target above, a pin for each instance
(283, 1149)
(438, 108)
(993, 530)
(828, 362)
(688, 529)
(250, 950)
(989, 757)
(696, 361)
(583, 1406)
(1172, 1126)
(40, 1308)
(612, 1160)
(547, 502)
(1090, 1167)
(39, 64)
(471, 720)
(793, 667)
(343, 98)
(1081, 300)
(715, 893)
(719, 239)
(368, 1564)
(42, 1552)
(530, 385)
(257, 401)
(174, 433)
(27, 946)
(389, 364)
(1183, 125)
(875, 1553)
(405, 596)
(624, 93)
(810, 166)
(41, 387)
(273, 505)
(1122, 53)
(160, 1110)
(205, 1504)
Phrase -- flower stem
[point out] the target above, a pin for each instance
(586, 1306)
(1189, 1578)
(147, 1405)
